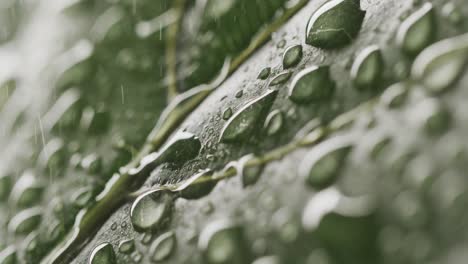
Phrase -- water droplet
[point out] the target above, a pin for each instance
(281, 44)
(264, 73)
(163, 246)
(241, 126)
(114, 226)
(197, 186)
(280, 78)
(395, 95)
(312, 84)
(250, 174)
(92, 163)
(103, 254)
(335, 24)
(96, 122)
(367, 68)
(227, 113)
(150, 210)
(438, 122)
(8, 255)
(223, 243)
(322, 165)
(239, 94)
(274, 122)
(136, 257)
(183, 147)
(52, 156)
(292, 56)
(83, 197)
(5, 186)
(441, 64)
(27, 191)
(127, 246)
(452, 13)
(25, 221)
(147, 238)
(418, 30)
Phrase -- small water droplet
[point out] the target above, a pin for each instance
(325, 30)
(5, 186)
(280, 78)
(147, 238)
(264, 73)
(163, 247)
(92, 163)
(27, 191)
(103, 254)
(83, 197)
(418, 30)
(243, 124)
(127, 246)
(150, 210)
(312, 84)
(239, 94)
(227, 113)
(395, 95)
(197, 186)
(367, 68)
(292, 56)
(281, 44)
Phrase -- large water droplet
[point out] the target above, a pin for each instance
(241, 126)
(441, 64)
(197, 186)
(150, 210)
(8, 255)
(163, 247)
(418, 30)
(292, 56)
(224, 243)
(395, 95)
(335, 24)
(367, 68)
(274, 122)
(25, 221)
(322, 165)
(103, 254)
(312, 85)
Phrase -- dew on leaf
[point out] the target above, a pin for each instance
(274, 122)
(244, 122)
(335, 24)
(150, 210)
(417, 31)
(224, 243)
(27, 191)
(250, 174)
(126, 246)
(322, 165)
(227, 113)
(312, 84)
(197, 186)
(441, 64)
(292, 56)
(8, 255)
(264, 73)
(163, 247)
(25, 221)
(395, 95)
(367, 68)
(280, 78)
(103, 254)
